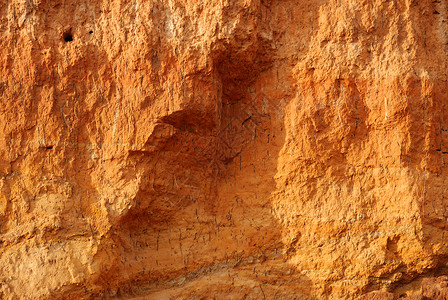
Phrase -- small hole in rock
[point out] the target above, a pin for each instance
(436, 12)
(49, 147)
(68, 37)
(91, 31)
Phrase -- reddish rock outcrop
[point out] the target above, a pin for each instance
(223, 149)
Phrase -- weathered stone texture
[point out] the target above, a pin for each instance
(223, 149)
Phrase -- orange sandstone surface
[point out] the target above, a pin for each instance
(223, 149)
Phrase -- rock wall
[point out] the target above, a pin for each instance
(223, 149)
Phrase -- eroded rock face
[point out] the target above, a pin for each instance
(261, 149)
